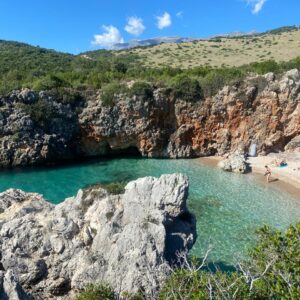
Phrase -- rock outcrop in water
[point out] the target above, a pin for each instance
(264, 110)
(235, 163)
(125, 240)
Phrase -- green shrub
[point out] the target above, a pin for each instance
(41, 112)
(141, 89)
(265, 67)
(120, 67)
(110, 92)
(68, 96)
(212, 83)
(49, 82)
(186, 88)
(96, 292)
(115, 188)
(282, 280)
(272, 272)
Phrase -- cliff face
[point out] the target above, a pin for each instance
(261, 110)
(126, 240)
(35, 128)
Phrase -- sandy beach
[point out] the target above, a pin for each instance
(287, 178)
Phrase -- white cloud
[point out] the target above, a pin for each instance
(164, 21)
(108, 38)
(179, 14)
(135, 26)
(257, 5)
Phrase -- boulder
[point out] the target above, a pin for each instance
(270, 76)
(293, 145)
(235, 163)
(126, 240)
(293, 74)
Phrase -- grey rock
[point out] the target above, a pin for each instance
(125, 240)
(270, 76)
(235, 163)
(158, 126)
(10, 289)
(293, 74)
(293, 145)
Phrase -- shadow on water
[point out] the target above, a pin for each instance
(82, 162)
(214, 267)
(220, 266)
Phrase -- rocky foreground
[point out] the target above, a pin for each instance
(44, 127)
(127, 240)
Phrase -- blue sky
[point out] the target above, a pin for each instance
(79, 25)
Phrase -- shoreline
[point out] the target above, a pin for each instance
(284, 179)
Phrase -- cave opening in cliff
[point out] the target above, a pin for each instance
(131, 151)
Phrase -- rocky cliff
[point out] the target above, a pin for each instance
(264, 110)
(126, 240)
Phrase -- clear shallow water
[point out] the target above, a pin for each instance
(228, 207)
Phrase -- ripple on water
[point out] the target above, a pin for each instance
(228, 207)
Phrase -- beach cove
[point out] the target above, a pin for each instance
(229, 208)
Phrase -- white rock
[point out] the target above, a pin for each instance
(10, 288)
(125, 240)
(235, 163)
(293, 74)
(270, 76)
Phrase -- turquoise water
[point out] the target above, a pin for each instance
(228, 207)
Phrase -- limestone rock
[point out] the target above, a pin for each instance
(125, 240)
(293, 74)
(10, 289)
(235, 163)
(270, 76)
(293, 145)
(263, 109)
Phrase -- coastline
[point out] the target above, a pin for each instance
(285, 179)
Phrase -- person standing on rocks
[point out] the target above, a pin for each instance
(268, 173)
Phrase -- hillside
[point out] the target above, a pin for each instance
(279, 45)
(212, 62)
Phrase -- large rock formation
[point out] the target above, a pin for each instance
(36, 128)
(125, 240)
(235, 163)
(259, 110)
(264, 110)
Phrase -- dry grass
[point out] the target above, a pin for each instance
(224, 52)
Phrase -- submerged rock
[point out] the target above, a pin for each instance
(125, 240)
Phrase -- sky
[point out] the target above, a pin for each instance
(76, 26)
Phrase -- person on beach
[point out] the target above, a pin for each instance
(268, 173)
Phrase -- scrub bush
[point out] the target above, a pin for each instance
(272, 272)
(110, 92)
(96, 292)
(186, 88)
(141, 89)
